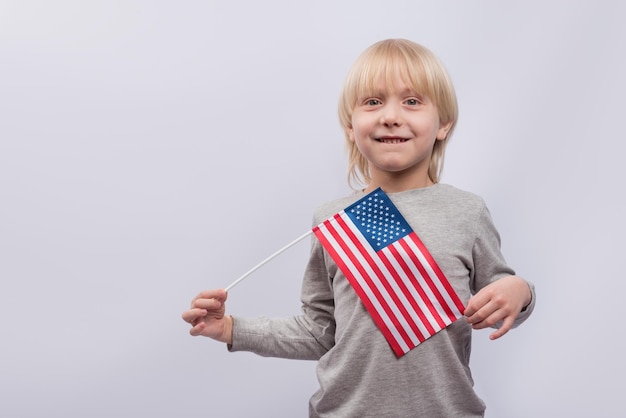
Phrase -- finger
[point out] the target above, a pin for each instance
(481, 325)
(469, 310)
(482, 314)
(476, 303)
(507, 324)
(192, 315)
(208, 304)
(219, 294)
(197, 330)
(487, 317)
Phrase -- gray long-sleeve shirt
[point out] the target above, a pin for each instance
(359, 374)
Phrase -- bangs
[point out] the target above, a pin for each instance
(388, 69)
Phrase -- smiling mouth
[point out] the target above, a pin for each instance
(391, 140)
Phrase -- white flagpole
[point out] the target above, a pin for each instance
(253, 269)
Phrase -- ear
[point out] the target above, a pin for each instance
(350, 132)
(442, 133)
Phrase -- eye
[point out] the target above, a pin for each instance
(412, 101)
(372, 102)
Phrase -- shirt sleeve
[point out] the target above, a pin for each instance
(489, 263)
(305, 337)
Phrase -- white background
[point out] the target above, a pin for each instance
(149, 150)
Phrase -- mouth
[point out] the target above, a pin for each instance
(391, 140)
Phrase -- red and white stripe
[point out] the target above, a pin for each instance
(401, 286)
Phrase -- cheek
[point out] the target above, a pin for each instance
(359, 135)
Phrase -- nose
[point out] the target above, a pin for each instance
(390, 115)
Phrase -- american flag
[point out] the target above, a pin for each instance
(396, 278)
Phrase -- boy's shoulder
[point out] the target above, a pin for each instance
(452, 200)
(451, 192)
(328, 209)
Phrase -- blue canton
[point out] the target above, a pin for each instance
(378, 219)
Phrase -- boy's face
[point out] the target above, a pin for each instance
(395, 130)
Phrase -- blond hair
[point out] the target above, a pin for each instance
(397, 60)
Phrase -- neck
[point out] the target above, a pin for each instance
(395, 184)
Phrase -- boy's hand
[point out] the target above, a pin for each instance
(207, 318)
(502, 300)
